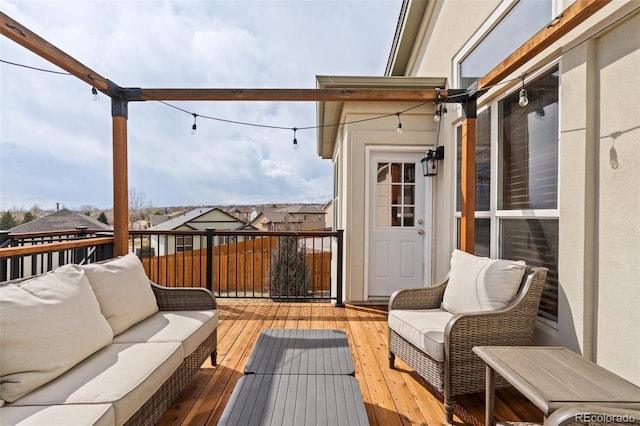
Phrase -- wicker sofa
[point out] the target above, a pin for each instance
(436, 339)
(99, 345)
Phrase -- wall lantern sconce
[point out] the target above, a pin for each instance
(430, 162)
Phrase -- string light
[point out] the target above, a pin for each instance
(94, 91)
(523, 100)
(437, 113)
(194, 128)
(295, 141)
(399, 129)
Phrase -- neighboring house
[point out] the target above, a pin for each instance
(244, 213)
(275, 221)
(556, 180)
(61, 220)
(296, 217)
(328, 209)
(199, 219)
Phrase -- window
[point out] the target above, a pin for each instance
(184, 242)
(482, 227)
(483, 161)
(524, 19)
(305, 217)
(395, 194)
(528, 162)
(521, 220)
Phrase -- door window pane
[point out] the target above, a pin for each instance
(395, 194)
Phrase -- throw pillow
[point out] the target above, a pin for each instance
(480, 283)
(123, 291)
(49, 324)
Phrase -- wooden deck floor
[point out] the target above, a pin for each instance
(392, 397)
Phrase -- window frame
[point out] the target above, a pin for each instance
(494, 214)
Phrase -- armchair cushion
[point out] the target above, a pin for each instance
(424, 328)
(123, 291)
(480, 283)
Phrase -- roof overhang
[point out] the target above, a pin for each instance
(329, 113)
(412, 13)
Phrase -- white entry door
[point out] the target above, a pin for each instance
(397, 223)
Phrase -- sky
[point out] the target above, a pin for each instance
(55, 141)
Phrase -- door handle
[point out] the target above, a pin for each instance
(420, 232)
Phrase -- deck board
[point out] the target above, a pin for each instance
(392, 397)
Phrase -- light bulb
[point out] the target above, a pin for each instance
(295, 143)
(524, 100)
(94, 92)
(194, 128)
(436, 115)
(399, 129)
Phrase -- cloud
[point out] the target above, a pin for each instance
(56, 143)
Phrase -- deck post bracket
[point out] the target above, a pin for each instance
(120, 98)
(467, 98)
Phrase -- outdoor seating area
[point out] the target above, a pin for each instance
(391, 396)
(482, 302)
(99, 344)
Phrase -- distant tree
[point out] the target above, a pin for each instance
(36, 210)
(103, 218)
(8, 221)
(137, 205)
(28, 217)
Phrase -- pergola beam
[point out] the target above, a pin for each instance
(312, 95)
(36, 44)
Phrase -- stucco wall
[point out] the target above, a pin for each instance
(617, 328)
(599, 200)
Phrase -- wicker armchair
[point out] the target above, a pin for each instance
(462, 371)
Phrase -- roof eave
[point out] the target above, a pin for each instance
(330, 112)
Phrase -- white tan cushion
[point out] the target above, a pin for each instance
(123, 374)
(53, 415)
(480, 283)
(190, 328)
(123, 291)
(49, 324)
(424, 328)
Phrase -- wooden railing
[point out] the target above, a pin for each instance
(25, 255)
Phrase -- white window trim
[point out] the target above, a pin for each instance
(494, 19)
(488, 25)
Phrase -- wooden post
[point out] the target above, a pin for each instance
(120, 186)
(468, 186)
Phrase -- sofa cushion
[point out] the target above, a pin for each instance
(123, 374)
(424, 328)
(480, 283)
(190, 328)
(49, 324)
(90, 414)
(123, 291)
